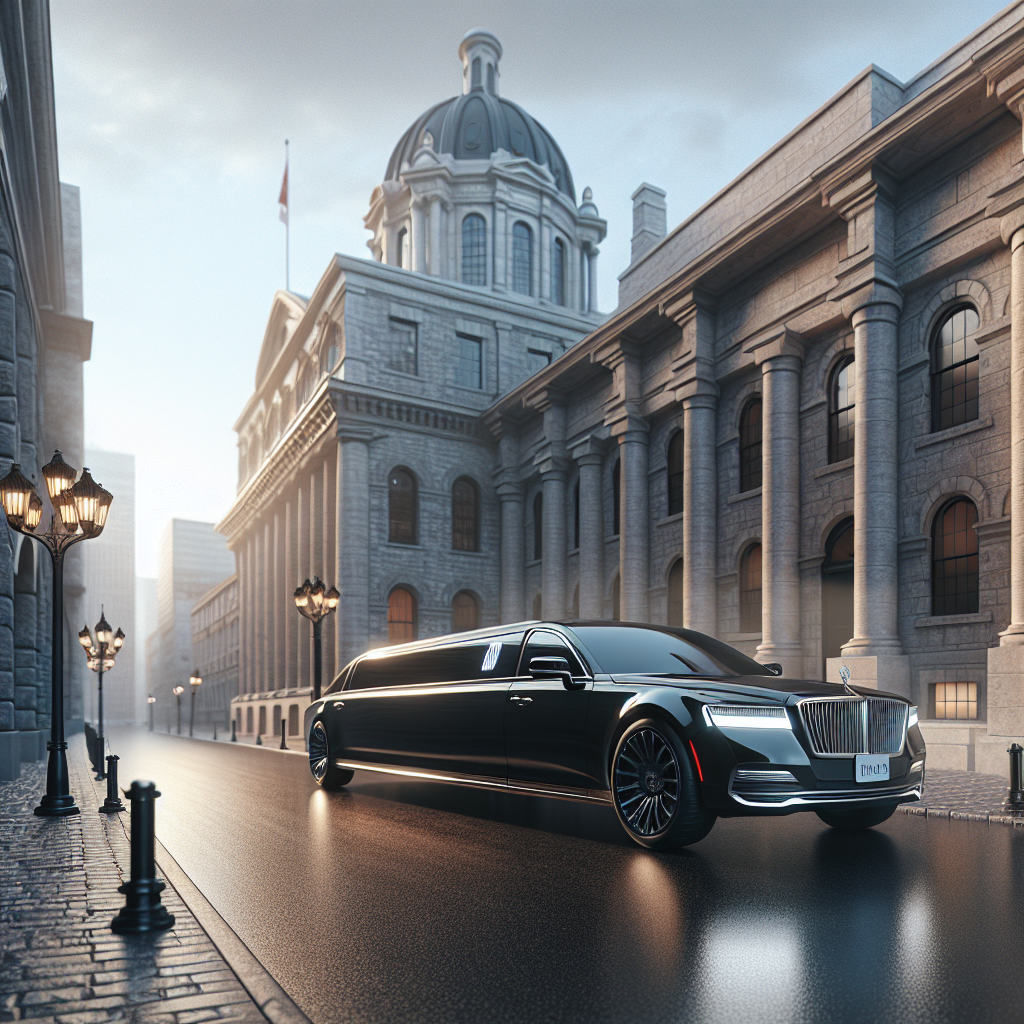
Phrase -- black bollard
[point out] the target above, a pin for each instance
(113, 802)
(259, 740)
(214, 730)
(142, 911)
(234, 738)
(1015, 794)
(284, 742)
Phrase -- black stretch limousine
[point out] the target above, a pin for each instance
(672, 727)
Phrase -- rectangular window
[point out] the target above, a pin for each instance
(956, 700)
(536, 360)
(468, 361)
(401, 354)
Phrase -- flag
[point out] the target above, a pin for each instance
(283, 197)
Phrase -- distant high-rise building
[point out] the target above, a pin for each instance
(193, 559)
(145, 627)
(108, 565)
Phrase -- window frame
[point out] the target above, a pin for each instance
(460, 337)
(473, 256)
(476, 611)
(971, 363)
(413, 623)
(674, 474)
(517, 252)
(965, 600)
(751, 464)
(841, 450)
(414, 506)
(475, 529)
(749, 623)
(558, 267)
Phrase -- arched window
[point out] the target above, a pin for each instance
(955, 559)
(402, 507)
(558, 272)
(955, 369)
(538, 525)
(842, 397)
(474, 250)
(750, 445)
(616, 599)
(402, 248)
(465, 516)
(401, 615)
(465, 612)
(522, 258)
(475, 82)
(675, 473)
(490, 79)
(616, 495)
(750, 590)
(675, 593)
(576, 513)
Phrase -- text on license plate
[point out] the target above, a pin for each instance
(871, 768)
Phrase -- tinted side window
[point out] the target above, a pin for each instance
(545, 644)
(486, 658)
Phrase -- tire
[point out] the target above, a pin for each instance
(654, 788)
(854, 819)
(325, 772)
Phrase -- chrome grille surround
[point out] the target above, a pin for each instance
(845, 726)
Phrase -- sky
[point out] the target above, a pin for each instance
(171, 118)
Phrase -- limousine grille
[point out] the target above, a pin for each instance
(845, 726)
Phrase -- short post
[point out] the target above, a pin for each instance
(284, 742)
(143, 911)
(234, 738)
(259, 740)
(1015, 794)
(214, 730)
(113, 802)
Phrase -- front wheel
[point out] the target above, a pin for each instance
(325, 771)
(855, 818)
(654, 789)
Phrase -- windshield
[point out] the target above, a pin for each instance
(664, 651)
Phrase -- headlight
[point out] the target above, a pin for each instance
(733, 717)
(912, 718)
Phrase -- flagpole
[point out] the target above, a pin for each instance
(287, 231)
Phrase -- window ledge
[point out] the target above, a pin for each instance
(674, 518)
(834, 467)
(405, 547)
(754, 492)
(953, 432)
(471, 554)
(967, 619)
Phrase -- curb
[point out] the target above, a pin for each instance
(950, 814)
(275, 1004)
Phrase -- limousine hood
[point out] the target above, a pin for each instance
(785, 691)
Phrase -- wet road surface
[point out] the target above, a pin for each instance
(417, 902)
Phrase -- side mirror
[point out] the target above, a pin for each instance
(774, 667)
(554, 668)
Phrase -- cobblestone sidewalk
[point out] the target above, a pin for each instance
(968, 796)
(59, 961)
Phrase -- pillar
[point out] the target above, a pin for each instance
(780, 514)
(277, 606)
(700, 518)
(353, 554)
(435, 237)
(592, 280)
(554, 527)
(500, 233)
(634, 521)
(302, 635)
(289, 612)
(591, 555)
(419, 238)
(328, 559)
(512, 552)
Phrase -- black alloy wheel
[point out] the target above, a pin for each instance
(850, 819)
(325, 772)
(654, 789)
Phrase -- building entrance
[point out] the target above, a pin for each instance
(837, 591)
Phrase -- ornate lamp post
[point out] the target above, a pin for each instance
(79, 512)
(151, 700)
(315, 602)
(178, 691)
(195, 681)
(100, 658)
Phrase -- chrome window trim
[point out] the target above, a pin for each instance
(588, 671)
(834, 700)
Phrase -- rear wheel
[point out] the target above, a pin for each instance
(325, 771)
(654, 789)
(853, 818)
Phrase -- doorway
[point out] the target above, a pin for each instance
(837, 591)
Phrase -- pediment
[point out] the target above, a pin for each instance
(285, 312)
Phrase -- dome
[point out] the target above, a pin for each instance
(478, 123)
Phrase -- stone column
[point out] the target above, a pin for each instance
(512, 552)
(700, 514)
(500, 279)
(241, 564)
(592, 280)
(302, 640)
(353, 553)
(634, 521)
(591, 557)
(780, 514)
(289, 583)
(329, 560)
(553, 568)
(419, 238)
(265, 634)
(277, 600)
(435, 236)
(544, 239)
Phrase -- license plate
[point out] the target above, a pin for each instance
(871, 768)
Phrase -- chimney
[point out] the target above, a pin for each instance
(649, 226)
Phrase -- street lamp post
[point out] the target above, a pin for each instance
(99, 656)
(151, 700)
(78, 512)
(195, 681)
(178, 691)
(315, 602)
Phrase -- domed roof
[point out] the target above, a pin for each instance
(478, 123)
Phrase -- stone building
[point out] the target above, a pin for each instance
(802, 430)
(363, 458)
(43, 343)
(215, 652)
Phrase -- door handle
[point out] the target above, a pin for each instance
(339, 704)
(524, 700)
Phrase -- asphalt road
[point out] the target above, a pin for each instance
(407, 901)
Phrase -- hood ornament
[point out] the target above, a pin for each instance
(844, 674)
